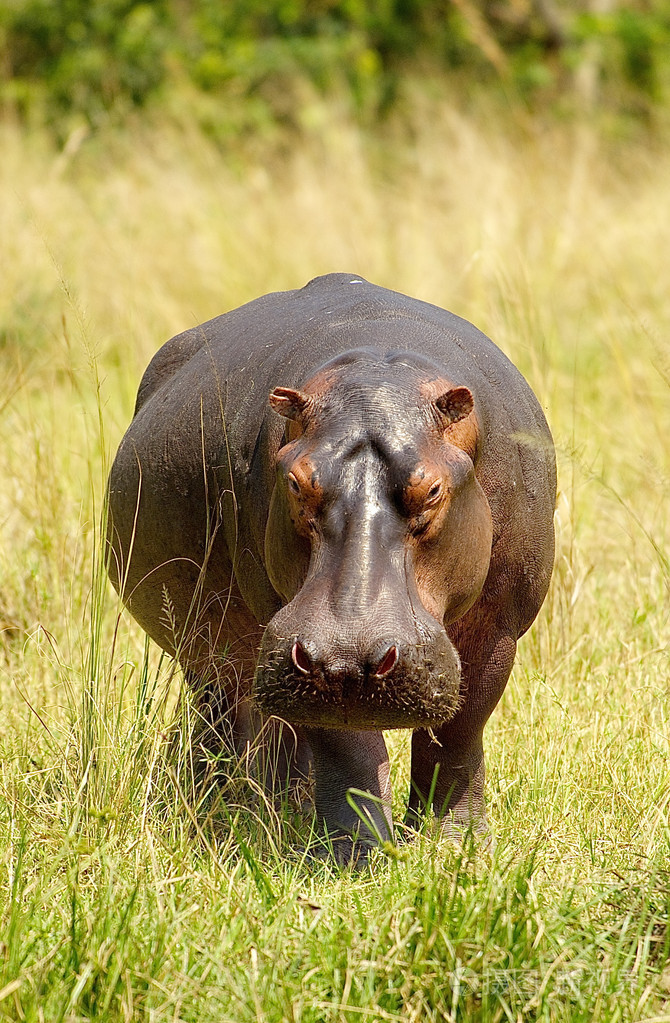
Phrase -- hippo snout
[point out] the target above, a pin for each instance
(339, 679)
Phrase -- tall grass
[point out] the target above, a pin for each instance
(119, 902)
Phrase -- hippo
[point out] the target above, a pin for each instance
(334, 507)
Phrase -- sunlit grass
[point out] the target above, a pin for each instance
(122, 902)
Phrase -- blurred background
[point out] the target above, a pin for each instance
(257, 67)
(164, 161)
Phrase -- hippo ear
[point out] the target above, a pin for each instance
(291, 404)
(455, 404)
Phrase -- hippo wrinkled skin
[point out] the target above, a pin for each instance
(335, 507)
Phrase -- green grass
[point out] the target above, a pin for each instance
(118, 900)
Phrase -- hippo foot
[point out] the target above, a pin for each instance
(468, 831)
(460, 830)
(348, 852)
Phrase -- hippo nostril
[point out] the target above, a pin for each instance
(387, 663)
(301, 658)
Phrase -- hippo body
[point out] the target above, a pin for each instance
(335, 507)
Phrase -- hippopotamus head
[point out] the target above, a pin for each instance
(378, 536)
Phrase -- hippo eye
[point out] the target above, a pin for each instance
(434, 492)
(293, 483)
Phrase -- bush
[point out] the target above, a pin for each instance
(97, 59)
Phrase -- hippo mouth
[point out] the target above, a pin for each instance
(422, 691)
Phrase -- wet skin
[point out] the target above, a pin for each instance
(366, 544)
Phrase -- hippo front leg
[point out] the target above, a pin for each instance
(448, 763)
(345, 760)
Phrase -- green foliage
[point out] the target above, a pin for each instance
(97, 59)
(635, 43)
(88, 57)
